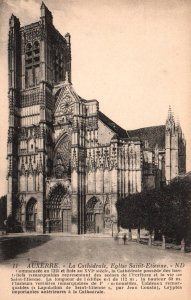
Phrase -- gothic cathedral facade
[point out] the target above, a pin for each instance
(68, 163)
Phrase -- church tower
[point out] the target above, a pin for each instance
(68, 163)
(39, 59)
(175, 149)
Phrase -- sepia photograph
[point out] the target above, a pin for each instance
(95, 160)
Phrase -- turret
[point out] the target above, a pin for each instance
(68, 64)
(46, 13)
(171, 147)
(181, 149)
(14, 46)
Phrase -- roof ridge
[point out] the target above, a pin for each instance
(155, 126)
(100, 112)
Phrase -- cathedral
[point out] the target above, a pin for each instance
(68, 163)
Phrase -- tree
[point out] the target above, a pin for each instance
(130, 212)
(3, 211)
(166, 210)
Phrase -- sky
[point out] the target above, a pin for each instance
(134, 57)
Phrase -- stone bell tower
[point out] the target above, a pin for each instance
(39, 58)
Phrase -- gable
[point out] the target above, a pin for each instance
(64, 100)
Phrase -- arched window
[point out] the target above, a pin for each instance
(32, 64)
(29, 48)
(59, 65)
(36, 46)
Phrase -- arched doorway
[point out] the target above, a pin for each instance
(94, 216)
(31, 212)
(58, 210)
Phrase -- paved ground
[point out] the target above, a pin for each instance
(47, 248)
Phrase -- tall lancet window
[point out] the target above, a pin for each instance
(32, 64)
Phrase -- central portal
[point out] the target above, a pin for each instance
(58, 210)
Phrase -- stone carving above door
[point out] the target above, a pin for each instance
(62, 159)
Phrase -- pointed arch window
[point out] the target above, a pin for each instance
(32, 64)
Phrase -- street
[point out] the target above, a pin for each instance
(58, 248)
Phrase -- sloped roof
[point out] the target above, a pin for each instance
(122, 133)
(154, 135)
